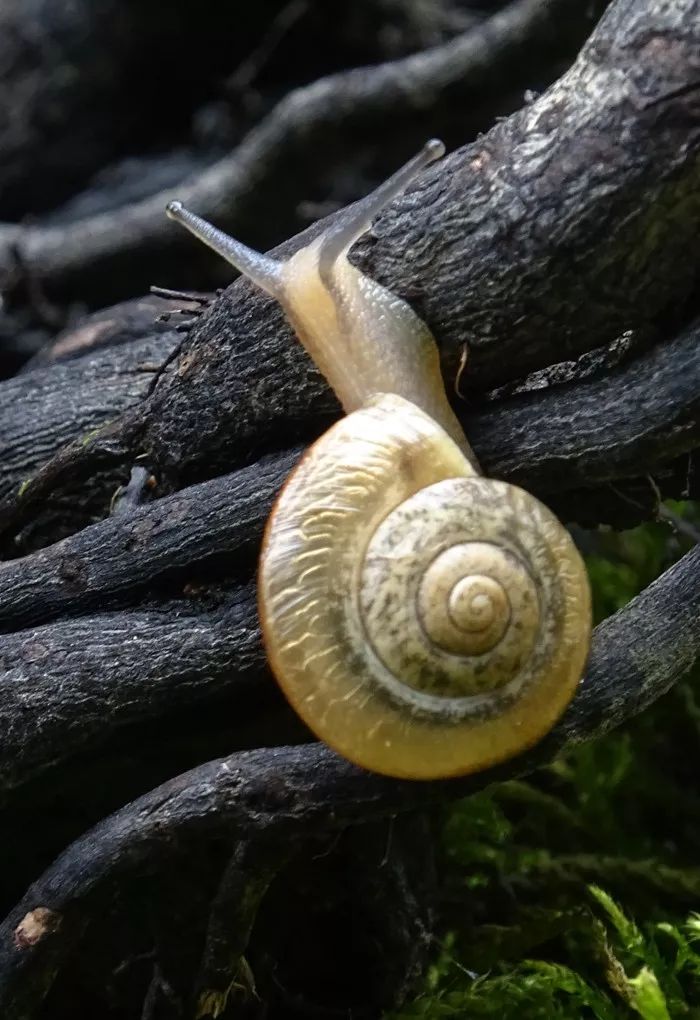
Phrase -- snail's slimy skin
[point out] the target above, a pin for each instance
(363, 338)
(423, 620)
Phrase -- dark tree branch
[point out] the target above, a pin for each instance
(646, 412)
(286, 145)
(43, 409)
(139, 319)
(571, 223)
(217, 522)
(68, 686)
(541, 240)
(543, 440)
(636, 419)
(304, 792)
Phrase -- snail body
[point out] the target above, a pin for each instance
(423, 620)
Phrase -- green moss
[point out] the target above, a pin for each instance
(576, 893)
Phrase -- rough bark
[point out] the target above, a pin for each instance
(44, 409)
(310, 132)
(301, 793)
(69, 72)
(561, 249)
(544, 239)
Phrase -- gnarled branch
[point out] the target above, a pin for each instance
(303, 792)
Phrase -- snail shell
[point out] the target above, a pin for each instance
(423, 620)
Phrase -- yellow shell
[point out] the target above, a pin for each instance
(423, 620)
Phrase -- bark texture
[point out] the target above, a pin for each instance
(143, 444)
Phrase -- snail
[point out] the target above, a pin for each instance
(423, 620)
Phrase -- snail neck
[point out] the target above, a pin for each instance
(364, 339)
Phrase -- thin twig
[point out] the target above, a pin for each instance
(224, 973)
(249, 69)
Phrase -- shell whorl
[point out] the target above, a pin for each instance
(423, 620)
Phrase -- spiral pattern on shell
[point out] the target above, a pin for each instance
(454, 617)
(423, 620)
